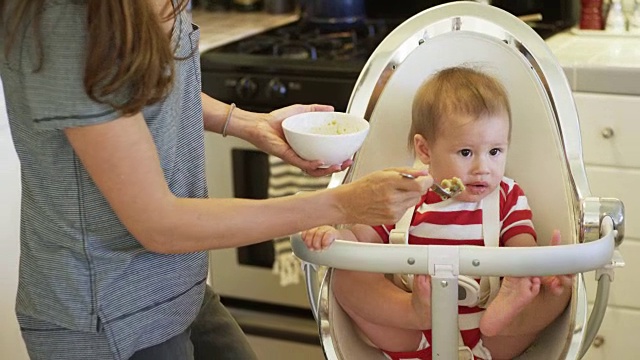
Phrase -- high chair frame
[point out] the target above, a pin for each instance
(592, 227)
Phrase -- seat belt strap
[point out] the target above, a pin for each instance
(490, 285)
(400, 236)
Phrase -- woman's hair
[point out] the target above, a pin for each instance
(125, 34)
(456, 91)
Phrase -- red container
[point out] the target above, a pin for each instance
(591, 16)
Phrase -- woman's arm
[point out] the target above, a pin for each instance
(122, 160)
(264, 131)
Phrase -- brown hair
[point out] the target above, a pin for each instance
(125, 34)
(456, 91)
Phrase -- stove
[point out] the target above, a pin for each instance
(296, 63)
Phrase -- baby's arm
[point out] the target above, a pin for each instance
(321, 237)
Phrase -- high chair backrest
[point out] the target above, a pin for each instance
(545, 155)
(545, 152)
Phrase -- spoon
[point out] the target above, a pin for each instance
(444, 193)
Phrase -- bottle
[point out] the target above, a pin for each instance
(616, 21)
(591, 15)
(634, 20)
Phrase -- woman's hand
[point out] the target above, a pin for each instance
(268, 136)
(382, 197)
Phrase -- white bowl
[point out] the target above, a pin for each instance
(331, 137)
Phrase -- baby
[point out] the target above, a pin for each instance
(461, 127)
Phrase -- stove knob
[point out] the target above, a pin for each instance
(246, 87)
(276, 89)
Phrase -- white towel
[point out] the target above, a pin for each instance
(285, 180)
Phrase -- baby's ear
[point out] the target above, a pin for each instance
(421, 148)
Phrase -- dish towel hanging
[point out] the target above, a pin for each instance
(285, 180)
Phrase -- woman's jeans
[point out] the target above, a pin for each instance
(213, 335)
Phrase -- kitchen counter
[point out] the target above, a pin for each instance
(593, 61)
(599, 62)
(220, 28)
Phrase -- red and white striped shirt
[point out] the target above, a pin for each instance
(451, 222)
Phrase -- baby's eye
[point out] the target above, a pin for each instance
(465, 152)
(495, 151)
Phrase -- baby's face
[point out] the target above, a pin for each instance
(474, 150)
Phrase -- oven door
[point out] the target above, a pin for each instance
(236, 169)
(277, 319)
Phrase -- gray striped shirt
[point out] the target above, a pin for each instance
(80, 268)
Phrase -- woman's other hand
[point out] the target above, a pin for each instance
(269, 137)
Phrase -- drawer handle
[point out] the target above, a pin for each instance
(598, 341)
(607, 133)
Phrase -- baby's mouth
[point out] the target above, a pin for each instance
(476, 188)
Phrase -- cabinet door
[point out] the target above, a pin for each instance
(609, 127)
(621, 184)
(624, 290)
(618, 336)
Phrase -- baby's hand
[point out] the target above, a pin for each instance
(558, 283)
(320, 238)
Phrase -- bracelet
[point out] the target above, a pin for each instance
(226, 123)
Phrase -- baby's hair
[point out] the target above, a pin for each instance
(456, 91)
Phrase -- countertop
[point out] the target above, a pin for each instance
(593, 61)
(220, 28)
(598, 61)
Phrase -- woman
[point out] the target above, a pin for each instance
(107, 118)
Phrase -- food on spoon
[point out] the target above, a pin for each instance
(453, 185)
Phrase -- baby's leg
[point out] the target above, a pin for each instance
(395, 339)
(388, 338)
(514, 295)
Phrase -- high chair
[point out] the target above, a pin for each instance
(545, 158)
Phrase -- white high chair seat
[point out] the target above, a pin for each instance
(545, 158)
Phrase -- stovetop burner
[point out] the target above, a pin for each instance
(296, 63)
(305, 41)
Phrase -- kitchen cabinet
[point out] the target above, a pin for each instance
(609, 127)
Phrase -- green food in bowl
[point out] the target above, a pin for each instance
(332, 128)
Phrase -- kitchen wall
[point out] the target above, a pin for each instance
(11, 345)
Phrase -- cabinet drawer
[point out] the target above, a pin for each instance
(624, 289)
(618, 337)
(609, 127)
(621, 184)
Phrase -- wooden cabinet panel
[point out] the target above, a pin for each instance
(618, 336)
(621, 184)
(624, 290)
(609, 128)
